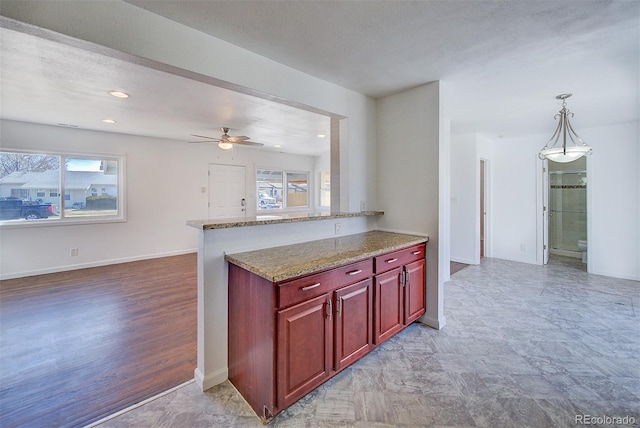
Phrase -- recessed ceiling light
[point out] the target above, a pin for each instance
(277, 145)
(108, 121)
(119, 94)
(321, 135)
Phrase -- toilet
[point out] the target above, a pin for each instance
(582, 244)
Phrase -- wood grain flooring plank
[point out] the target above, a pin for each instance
(77, 346)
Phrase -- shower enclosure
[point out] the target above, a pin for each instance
(567, 207)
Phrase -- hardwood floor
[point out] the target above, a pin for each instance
(456, 267)
(77, 346)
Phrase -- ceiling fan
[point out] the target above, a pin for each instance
(226, 141)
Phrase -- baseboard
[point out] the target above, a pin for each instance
(212, 379)
(437, 323)
(94, 264)
(616, 275)
(465, 261)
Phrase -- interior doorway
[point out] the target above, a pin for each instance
(483, 208)
(566, 213)
(227, 191)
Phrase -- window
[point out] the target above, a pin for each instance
(297, 189)
(325, 189)
(35, 184)
(282, 189)
(20, 193)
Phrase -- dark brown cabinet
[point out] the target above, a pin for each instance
(414, 290)
(400, 292)
(305, 336)
(287, 338)
(353, 323)
(389, 305)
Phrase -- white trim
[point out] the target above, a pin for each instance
(433, 322)
(95, 264)
(119, 217)
(463, 260)
(140, 404)
(210, 380)
(617, 275)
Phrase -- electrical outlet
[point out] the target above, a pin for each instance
(338, 228)
(73, 252)
(522, 247)
(362, 206)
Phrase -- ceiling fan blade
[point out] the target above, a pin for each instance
(204, 136)
(248, 143)
(202, 141)
(238, 138)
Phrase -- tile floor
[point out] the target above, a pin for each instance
(524, 346)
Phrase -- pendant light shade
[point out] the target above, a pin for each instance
(562, 152)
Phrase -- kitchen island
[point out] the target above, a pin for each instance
(219, 237)
(299, 314)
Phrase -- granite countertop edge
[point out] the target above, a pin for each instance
(322, 263)
(269, 219)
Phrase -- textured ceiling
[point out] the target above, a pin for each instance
(502, 64)
(503, 61)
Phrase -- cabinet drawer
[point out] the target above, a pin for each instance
(301, 289)
(399, 258)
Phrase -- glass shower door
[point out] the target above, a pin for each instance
(568, 210)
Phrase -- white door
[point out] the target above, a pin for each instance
(227, 191)
(545, 212)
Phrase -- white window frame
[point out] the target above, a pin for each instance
(285, 201)
(119, 217)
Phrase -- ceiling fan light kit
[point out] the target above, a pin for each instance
(226, 141)
(561, 153)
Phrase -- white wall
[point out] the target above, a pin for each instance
(464, 200)
(410, 126)
(152, 37)
(516, 179)
(613, 199)
(163, 190)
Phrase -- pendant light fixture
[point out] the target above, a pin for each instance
(561, 152)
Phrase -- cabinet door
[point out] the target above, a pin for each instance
(305, 343)
(354, 322)
(389, 314)
(414, 291)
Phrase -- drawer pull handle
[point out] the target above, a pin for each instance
(354, 272)
(415, 253)
(392, 260)
(309, 287)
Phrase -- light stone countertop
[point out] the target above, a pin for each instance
(274, 219)
(278, 264)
